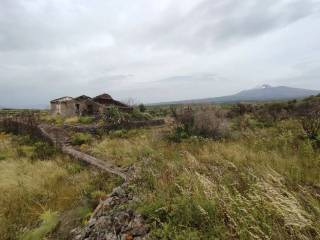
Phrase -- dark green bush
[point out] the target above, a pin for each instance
(86, 120)
(142, 108)
(138, 115)
(2, 157)
(115, 117)
(43, 151)
(179, 134)
(81, 138)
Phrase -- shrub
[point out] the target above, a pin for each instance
(241, 109)
(207, 123)
(122, 133)
(210, 124)
(311, 123)
(97, 196)
(115, 117)
(138, 115)
(81, 138)
(185, 117)
(178, 135)
(42, 151)
(86, 120)
(54, 119)
(71, 120)
(142, 108)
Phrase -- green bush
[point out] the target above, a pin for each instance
(138, 115)
(43, 151)
(179, 134)
(81, 138)
(2, 156)
(122, 133)
(114, 116)
(86, 120)
(142, 108)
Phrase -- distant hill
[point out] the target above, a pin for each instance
(263, 93)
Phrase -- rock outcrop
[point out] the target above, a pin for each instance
(113, 220)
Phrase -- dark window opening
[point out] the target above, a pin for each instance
(90, 109)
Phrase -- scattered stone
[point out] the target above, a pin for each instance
(111, 221)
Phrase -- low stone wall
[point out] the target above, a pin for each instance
(95, 129)
(148, 123)
(24, 128)
(112, 219)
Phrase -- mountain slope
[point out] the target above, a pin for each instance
(263, 93)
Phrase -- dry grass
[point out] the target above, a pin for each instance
(30, 187)
(262, 183)
(230, 189)
(121, 147)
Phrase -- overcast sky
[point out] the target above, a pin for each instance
(154, 50)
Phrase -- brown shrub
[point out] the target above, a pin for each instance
(311, 122)
(213, 124)
(210, 123)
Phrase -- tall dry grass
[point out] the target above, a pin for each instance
(264, 184)
(31, 188)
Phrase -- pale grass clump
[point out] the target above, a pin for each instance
(71, 120)
(274, 192)
(121, 151)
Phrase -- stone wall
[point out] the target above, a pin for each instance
(95, 129)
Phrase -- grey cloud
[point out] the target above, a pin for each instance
(196, 77)
(215, 23)
(153, 50)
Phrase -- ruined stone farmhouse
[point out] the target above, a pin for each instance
(84, 105)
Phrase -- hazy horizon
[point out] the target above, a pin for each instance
(154, 51)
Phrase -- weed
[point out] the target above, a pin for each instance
(43, 151)
(86, 119)
(81, 138)
(49, 220)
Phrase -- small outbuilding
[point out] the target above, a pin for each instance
(85, 105)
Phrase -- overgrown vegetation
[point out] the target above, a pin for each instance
(259, 181)
(211, 123)
(80, 138)
(40, 187)
(244, 171)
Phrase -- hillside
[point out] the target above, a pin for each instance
(263, 93)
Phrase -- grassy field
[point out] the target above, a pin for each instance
(259, 181)
(257, 185)
(44, 192)
(235, 172)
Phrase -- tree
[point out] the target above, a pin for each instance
(142, 107)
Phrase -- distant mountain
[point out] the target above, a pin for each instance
(261, 93)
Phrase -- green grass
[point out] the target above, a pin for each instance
(80, 138)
